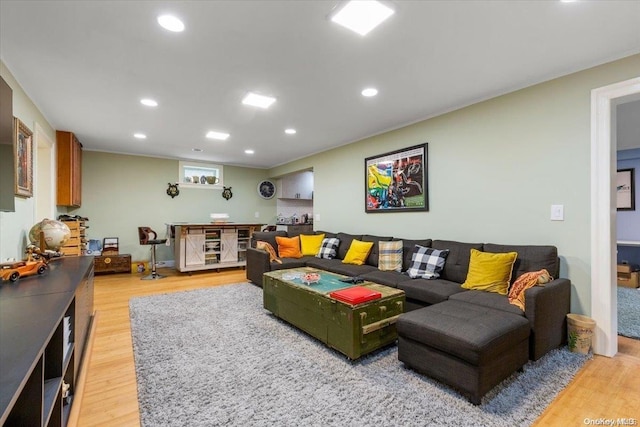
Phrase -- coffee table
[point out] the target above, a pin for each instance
(353, 330)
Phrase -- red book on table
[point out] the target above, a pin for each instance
(355, 295)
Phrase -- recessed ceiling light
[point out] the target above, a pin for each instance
(290, 131)
(217, 135)
(197, 150)
(140, 135)
(171, 23)
(362, 16)
(256, 100)
(369, 92)
(568, 1)
(249, 151)
(148, 102)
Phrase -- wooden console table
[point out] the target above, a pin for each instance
(212, 246)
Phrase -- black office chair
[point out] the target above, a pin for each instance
(149, 237)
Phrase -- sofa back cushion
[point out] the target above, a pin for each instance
(407, 250)
(457, 265)
(374, 254)
(530, 258)
(267, 236)
(345, 243)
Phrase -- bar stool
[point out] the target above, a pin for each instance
(149, 237)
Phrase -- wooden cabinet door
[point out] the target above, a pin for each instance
(194, 249)
(69, 174)
(229, 246)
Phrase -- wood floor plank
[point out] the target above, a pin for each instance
(606, 388)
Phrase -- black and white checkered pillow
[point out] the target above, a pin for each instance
(427, 263)
(329, 248)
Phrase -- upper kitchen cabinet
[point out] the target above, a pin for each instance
(69, 151)
(297, 186)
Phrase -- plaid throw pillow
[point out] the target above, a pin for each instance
(427, 263)
(329, 248)
(390, 255)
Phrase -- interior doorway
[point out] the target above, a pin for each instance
(604, 306)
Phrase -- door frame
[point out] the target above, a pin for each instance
(604, 304)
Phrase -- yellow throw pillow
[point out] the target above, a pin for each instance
(289, 247)
(358, 252)
(490, 272)
(310, 244)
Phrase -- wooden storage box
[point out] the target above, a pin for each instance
(352, 330)
(629, 280)
(107, 264)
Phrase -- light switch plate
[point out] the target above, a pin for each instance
(557, 212)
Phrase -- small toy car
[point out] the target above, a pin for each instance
(13, 271)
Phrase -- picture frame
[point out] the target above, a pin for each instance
(625, 190)
(397, 181)
(23, 158)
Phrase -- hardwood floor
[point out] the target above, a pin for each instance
(606, 388)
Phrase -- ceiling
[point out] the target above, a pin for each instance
(86, 65)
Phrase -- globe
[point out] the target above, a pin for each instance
(56, 234)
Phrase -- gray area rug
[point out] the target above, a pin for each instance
(215, 357)
(629, 312)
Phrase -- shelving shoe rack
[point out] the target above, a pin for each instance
(77, 244)
(44, 326)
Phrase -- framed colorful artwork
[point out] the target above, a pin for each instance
(23, 155)
(397, 181)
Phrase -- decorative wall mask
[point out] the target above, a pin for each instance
(226, 193)
(173, 190)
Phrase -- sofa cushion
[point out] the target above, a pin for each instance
(387, 278)
(490, 272)
(289, 263)
(457, 265)
(407, 250)
(358, 252)
(310, 244)
(267, 236)
(338, 267)
(345, 243)
(427, 263)
(374, 254)
(487, 299)
(390, 255)
(289, 247)
(329, 248)
(429, 291)
(530, 258)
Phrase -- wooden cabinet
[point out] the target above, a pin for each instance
(296, 186)
(69, 153)
(212, 246)
(44, 325)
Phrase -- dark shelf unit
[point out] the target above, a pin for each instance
(38, 353)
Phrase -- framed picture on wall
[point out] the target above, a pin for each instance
(625, 190)
(23, 155)
(397, 181)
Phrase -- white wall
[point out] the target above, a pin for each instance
(495, 168)
(121, 193)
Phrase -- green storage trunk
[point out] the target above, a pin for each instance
(353, 330)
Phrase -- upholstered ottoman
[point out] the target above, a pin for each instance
(468, 347)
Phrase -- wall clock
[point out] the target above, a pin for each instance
(266, 189)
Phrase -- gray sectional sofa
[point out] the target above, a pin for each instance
(468, 339)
